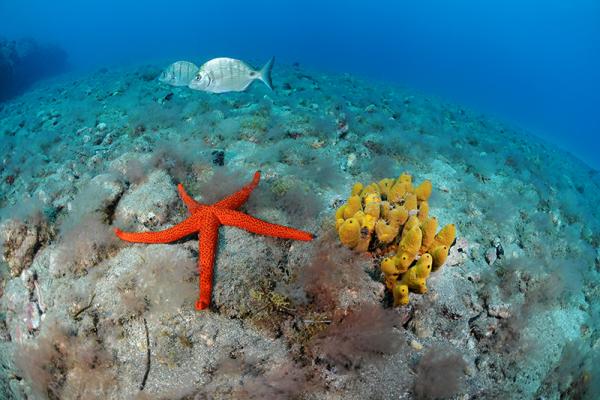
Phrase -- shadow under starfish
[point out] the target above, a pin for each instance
(205, 220)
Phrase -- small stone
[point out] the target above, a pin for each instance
(491, 256)
(351, 160)
(416, 345)
(499, 311)
(218, 157)
(499, 250)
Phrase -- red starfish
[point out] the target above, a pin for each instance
(206, 220)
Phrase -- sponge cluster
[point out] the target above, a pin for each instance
(391, 217)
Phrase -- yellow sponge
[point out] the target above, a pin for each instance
(386, 233)
(372, 205)
(445, 236)
(405, 178)
(423, 211)
(428, 227)
(423, 266)
(412, 280)
(349, 232)
(410, 201)
(423, 191)
(353, 205)
(385, 185)
(439, 255)
(412, 221)
(400, 295)
(339, 213)
(398, 216)
(394, 216)
(388, 266)
(357, 188)
(409, 247)
(371, 188)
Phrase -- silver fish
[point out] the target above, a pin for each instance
(221, 75)
(179, 73)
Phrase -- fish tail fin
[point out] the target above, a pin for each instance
(265, 73)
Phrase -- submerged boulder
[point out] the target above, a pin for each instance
(25, 61)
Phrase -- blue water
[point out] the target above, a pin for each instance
(534, 64)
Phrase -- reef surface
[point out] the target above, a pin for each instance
(514, 313)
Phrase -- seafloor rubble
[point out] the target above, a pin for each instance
(514, 313)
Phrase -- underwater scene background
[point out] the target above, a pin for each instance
(428, 174)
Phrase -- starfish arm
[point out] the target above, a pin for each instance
(236, 200)
(182, 229)
(209, 236)
(190, 203)
(258, 226)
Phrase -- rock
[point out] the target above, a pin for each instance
(26, 55)
(416, 345)
(149, 203)
(101, 126)
(490, 256)
(351, 161)
(245, 261)
(499, 311)
(218, 157)
(458, 253)
(20, 241)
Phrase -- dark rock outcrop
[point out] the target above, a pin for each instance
(24, 61)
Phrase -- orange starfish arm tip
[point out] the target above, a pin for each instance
(237, 199)
(201, 305)
(190, 203)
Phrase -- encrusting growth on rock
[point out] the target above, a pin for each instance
(206, 220)
(392, 217)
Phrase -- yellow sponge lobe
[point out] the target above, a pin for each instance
(423, 266)
(412, 280)
(423, 211)
(401, 296)
(385, 185)
(373, 205)
(353, 205)
(388, 266)
(412, 221)
(428, 227)
(398, 216)
(357, 188)
(349, 232)
(410, 201)
(405, 178)
(411, 241)
(339, 213)
(439, 255)
(423, 191)
(446, 235)
(386, 233)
